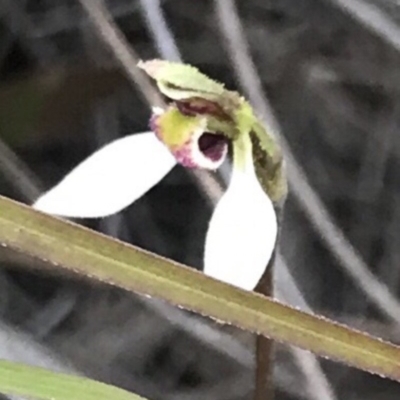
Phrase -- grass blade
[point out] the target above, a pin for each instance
(68, 246)
(23, 380)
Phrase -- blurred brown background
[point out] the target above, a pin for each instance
(330, 70)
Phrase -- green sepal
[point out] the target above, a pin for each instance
(181, 80)
(269, 164)
(267, 155)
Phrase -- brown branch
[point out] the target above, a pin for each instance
(120, 48)
(264, 385)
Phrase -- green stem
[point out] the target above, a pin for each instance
(67, 246)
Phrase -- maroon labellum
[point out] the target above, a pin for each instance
(213, 145)
(203, 150)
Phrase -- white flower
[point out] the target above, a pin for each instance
(243, 228)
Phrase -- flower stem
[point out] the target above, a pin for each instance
(264, 389)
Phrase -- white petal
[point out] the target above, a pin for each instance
(242, 232)
(110, 179)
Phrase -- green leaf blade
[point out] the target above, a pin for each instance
(77, 249)
(23, 380)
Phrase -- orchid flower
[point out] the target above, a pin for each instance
(202, 120)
